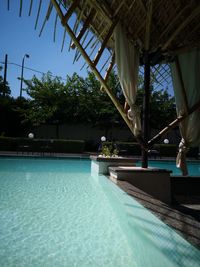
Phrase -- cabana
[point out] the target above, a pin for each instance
(129, 33)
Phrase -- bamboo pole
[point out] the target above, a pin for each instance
(173, 124)
(98, 75)
(85, 26)
(70, 11)
(112, 62)
(105, 41)
(105, 63)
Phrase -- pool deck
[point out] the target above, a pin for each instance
(183, 216)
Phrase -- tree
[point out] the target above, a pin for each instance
(80, 100)
(4, 87)
(46, 94)
(162, 106)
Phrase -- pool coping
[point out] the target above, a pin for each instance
(81, 155)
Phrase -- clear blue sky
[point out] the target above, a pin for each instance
(18, 38)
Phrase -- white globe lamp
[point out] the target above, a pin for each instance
(166, 141)
(103, 139)
(31, 135)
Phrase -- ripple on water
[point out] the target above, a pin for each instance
(57, 218)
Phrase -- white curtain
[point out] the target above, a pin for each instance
(190, 127)
(127, 59)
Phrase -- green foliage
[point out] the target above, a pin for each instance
(193, 152)
(78, 100)
(41, 145)
(109, 151)
(68, 146)
(167, 150)
(128, 148)
(162, 107)
(11, 116)
(4, 87)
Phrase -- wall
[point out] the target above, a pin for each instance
(89, 133)
(82, 132)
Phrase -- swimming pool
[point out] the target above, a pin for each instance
(193, 166)
(53, 213)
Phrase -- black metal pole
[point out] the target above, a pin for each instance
(5, 72)
(22, 77)
(146, 109)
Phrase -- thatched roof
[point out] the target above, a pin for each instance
(175, 25)
(163, 27)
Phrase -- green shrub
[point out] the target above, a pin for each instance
(8, 143)
(193, 152)
(167, 150)
(41, 145)
(128, 148)
(68, 146)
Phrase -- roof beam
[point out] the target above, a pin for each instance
(85, 26)
(173, 21)
(181, 26)
(173, 124)
(70, 11)
(105, 41)
(109, 69)
(148, 25)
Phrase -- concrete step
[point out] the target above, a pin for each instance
(154, 181)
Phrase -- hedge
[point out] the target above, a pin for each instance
(167, 150)
(41, 145)
(193, 152)
(134, 149)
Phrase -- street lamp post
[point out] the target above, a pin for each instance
(22, 73)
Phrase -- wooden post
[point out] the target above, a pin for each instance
(146, 109)
(147, 69)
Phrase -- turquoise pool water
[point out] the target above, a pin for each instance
(193, 167)
(53, 213)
